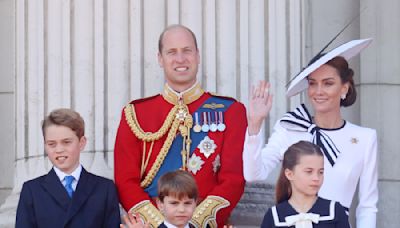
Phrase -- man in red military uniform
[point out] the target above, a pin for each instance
(182, 128)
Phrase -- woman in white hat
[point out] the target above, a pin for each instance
(350, 151)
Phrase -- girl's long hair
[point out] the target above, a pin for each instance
(283, 190)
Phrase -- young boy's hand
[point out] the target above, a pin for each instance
(133, 221)
(228, 226)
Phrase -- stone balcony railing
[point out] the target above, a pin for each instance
(257, 198)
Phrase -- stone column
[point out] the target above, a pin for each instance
(379, 94)
(57, 65)
(7, 93)
(29, 107)
(275, 26)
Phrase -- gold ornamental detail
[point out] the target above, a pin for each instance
(178, 119)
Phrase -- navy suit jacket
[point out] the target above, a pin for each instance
(44, 202)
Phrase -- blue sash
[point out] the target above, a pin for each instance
(173, 160)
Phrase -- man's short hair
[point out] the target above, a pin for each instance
(177, 184)
(67, 118)
(160, 39)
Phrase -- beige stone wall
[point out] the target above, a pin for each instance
(7, 101)
(380, 106)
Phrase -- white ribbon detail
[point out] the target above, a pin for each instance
(302, 220)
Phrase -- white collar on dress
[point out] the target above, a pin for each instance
(329, 217)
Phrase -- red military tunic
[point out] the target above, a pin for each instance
(220, 175)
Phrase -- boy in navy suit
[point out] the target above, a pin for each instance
(177, 201)
(68, 196)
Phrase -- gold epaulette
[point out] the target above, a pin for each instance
(148, 213)
(206, 212)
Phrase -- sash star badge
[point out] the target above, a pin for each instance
(181, 115)
(216, 163)
(195, 163)
(207, 146)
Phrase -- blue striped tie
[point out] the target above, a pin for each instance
(68, 185)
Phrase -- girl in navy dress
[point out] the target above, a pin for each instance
(298, 205)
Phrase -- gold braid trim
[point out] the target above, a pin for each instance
(148, 213)
(178, 118)
(206, 212)
(130, 116)
(161, 156)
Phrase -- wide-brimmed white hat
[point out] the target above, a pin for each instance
(347, 50)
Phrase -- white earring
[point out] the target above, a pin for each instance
(343, 96)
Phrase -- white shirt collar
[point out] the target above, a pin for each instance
(76, 173)
(169, 225)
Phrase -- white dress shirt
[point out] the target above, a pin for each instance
(76, 174)
(355, 164)
(169, 225)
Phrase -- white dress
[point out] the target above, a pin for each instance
(355, 163)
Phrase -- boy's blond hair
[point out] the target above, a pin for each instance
(67, 118)
(177, 184)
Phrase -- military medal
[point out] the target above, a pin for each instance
(205, 127)
(197, 127)
(195, 163)
(207, 146)
(221, 126)
(213, 126)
